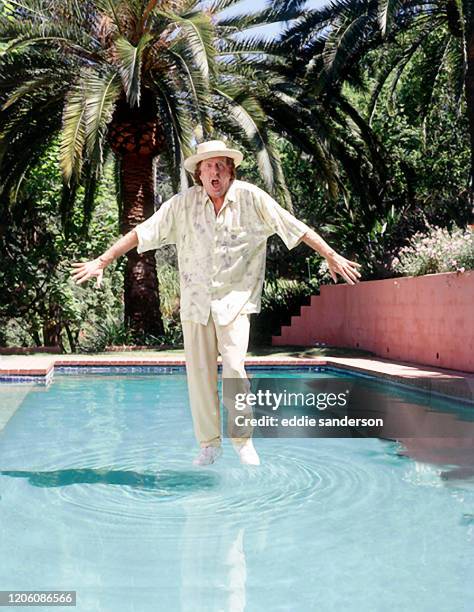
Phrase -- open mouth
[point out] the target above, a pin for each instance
(215, 183)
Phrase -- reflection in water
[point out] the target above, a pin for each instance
(438, 437)
(461, 473)
(224, 537)
(432, 430)
(166, 481)
(213, 563)
(237, 573)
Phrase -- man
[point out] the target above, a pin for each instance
(220, 227)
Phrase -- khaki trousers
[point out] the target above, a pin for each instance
(202, 344)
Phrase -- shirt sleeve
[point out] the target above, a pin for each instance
(159, 229)
(279, 221)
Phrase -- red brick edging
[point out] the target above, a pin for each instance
(453, 383)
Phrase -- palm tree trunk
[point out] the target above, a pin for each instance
(141, 293)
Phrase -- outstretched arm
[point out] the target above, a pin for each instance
(292, 231)
(86, 270)
(337, 263)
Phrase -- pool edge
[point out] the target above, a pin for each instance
(41, 371)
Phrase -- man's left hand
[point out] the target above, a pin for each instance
(344, 267)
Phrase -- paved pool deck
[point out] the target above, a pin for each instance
(41, 367)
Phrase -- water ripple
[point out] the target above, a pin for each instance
(292, 479)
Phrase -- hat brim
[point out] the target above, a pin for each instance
(191, 162)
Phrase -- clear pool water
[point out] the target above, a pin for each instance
(98, 495)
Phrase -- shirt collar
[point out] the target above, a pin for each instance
(230, 196)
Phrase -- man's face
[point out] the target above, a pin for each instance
(216, 176)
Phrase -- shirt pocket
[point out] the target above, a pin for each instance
(241, 242)
(235, 251)
(242, 246)
(239, 235)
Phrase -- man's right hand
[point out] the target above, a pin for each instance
(88, 269)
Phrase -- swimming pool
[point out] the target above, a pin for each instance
(98, 495)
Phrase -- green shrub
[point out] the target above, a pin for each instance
(438, 250)
(279, 292)
(168, 279)
(111, 331)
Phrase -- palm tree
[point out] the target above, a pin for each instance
(132, 79)
(440, 33)
(306, 102)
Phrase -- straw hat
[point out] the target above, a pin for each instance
(212, 148)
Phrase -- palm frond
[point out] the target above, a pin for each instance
(311, 24)
(342, 42)
(386, 12)
(112, 9)
(221, 5)
(66, 205)
(73, 134)
(176, 121)
(395, 61)
(197, 32)
(377, 154)
(26, 88)
(101, 93)
(198, 86)
(252, 45)
(249, 117)
(458, 66)
(25, 135)
(433, 68)
(130, 63)
(410, 56)
(90, 191)
(274, 13)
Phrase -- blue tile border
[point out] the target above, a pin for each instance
(138, 369)
(41, 380)
(180, 369)
(37, 379)
(161, 369)
(99, 369)
(389, 380)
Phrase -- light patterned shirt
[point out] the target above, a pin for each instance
(221, 258)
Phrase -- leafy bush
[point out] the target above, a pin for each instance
(109, 331)
(279, 291)
(40, 304)
(438, 250)
(112, 331)
(168, 279)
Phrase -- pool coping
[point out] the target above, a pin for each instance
(41, 369)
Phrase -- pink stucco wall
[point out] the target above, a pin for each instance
(426, 319)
